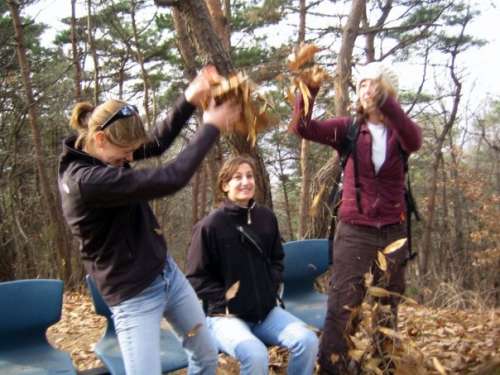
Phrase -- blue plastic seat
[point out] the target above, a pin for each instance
(173, 356)
(27, 309)
(305, 260)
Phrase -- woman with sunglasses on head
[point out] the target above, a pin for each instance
(235, 264)
(105, 203)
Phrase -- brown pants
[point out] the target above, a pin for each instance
(354, 254)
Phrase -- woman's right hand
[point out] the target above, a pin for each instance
(199, 89)
(222, 116)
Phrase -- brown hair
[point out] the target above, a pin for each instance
(230, 167)
(87, 120)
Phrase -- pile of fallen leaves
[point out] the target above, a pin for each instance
(439, 340)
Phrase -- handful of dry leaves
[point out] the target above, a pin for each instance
(254, 106)
(304, 74)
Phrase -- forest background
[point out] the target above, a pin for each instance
(145, 52)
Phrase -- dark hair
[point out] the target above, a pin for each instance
(230, 167)
(87, 120)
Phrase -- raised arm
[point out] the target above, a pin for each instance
(165, 131)
(329, 132)
(114, 186)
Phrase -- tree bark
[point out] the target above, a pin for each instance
(93, 51)
(305, 165)
(431, 205)
(370, 35)
(220, 22)
(52, 208)
(140, 59)
(197, 18)
(76, 54)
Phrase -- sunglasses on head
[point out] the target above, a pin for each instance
(126, 111)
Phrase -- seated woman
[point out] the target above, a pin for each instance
(235, 264)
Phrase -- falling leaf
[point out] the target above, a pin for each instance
(396, 245)
(158, 231)
(438, 366)
(356, 354)
(372, 364)
(312, 266)
(390, 333)
(195, 330)
(409, 301)
(232, 291)
(368, 279)
(334, 358)
(376, 291)
(381, 261)
(313, 211)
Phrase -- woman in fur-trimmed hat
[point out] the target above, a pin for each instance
(372, 210)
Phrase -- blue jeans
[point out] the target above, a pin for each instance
(247, 341)
(137, 322)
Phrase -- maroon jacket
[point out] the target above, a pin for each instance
(107, 210)
(382, 195)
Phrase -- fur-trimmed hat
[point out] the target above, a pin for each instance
(378, 70)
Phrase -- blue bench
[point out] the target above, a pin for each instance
(305, 260)
(173, 356)
(27, 309)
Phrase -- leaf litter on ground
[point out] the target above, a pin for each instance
(460, 341)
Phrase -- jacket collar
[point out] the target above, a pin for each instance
(70, 152)
(233, 209)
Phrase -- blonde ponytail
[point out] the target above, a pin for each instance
(80, 120)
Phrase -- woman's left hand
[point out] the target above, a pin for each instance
(199, 89)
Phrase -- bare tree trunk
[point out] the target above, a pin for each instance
(52, 208)
(305, 165)
(283, 179)
(459, 239)
(344, 61)
(446, 256)
(329, 174)
(431, 205)
(220, 22)
(93, 51)
(140, 60)
(370, 35)
(76, 55)
(209, 46)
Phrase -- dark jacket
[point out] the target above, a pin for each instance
(219, 256)
(382, 194)
(106, 207)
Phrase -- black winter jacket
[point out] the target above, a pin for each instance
(219, 256)
(107, 208)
